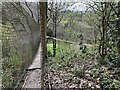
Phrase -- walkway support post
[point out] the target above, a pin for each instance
(43, 47)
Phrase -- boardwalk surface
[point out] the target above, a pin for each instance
(36, 61)
(33, 80)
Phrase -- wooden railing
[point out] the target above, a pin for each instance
(57, 39)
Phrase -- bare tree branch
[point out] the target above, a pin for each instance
(29, 9)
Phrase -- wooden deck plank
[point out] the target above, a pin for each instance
(36, 61)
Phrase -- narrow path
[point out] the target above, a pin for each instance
(33, 78)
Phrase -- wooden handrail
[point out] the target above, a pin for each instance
(70, 42)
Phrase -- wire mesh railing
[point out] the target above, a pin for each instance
(16, 56)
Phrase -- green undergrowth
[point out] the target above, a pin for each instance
(66, 54)
(86, 58)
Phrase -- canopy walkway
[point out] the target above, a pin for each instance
(32, 79)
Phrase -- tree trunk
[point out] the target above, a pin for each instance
(54, 28)
(102, 48)
(43, 48)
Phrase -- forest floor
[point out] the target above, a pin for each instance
(71, 77)
(91, 75)
(79, 74)
(68, 77)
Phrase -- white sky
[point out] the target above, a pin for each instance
(79, 6)
(62, 0)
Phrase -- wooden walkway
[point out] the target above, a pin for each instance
(36, 61)
(33, 78)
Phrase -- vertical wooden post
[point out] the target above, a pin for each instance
(43, 49)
